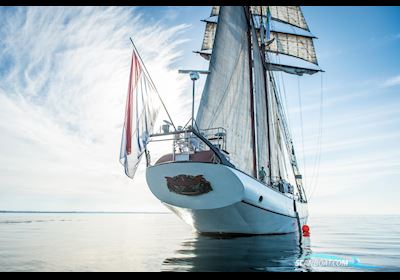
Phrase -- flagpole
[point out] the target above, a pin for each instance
(151, 80)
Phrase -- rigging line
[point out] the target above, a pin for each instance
(286, 102)
(285, 110)
(313, 184)
(302, 129)
(321, 116)
(287, 151)
(152, 83)
(281, 145)
(281, 121)
(283, 148)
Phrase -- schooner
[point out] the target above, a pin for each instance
(233, 168)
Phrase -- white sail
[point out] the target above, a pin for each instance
(209, 36)
(288, 14)
(291, 48)
(293, 45)
(226, 96)
(215, 11)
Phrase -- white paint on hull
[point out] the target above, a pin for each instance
(239, 218)
(232, 207)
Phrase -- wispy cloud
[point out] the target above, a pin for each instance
(392, 82)
(62, 95)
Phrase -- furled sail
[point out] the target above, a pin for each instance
(208, 40)
(290, 48)
(215, 11)
(142, 107)
(226, 101)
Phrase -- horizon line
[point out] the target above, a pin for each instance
(157, 212)
(80, 212)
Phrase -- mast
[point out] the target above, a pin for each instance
(253, 127)
(269, 126)
(263, 53)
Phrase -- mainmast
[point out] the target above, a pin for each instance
(252, 111)
(263, 54)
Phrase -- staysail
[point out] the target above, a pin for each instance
(226, 98)
(291, 46)
(142, 107)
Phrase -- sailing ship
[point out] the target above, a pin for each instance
(233, 168)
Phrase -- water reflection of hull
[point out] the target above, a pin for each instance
(252, 253)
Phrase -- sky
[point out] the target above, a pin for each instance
(63, 83)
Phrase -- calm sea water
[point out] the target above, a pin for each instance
(161, 242)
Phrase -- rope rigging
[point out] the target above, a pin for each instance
(317, 161)
(302, 130)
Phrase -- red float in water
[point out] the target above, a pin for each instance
(306, 230)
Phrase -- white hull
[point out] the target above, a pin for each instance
(233, 206)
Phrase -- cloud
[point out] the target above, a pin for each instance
(63, 81)
(392, 82)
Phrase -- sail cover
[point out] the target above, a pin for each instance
(140, 114)
(225, 101)
(289, 37)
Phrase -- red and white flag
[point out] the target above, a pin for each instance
(139, 117)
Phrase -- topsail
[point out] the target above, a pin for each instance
(291, 47)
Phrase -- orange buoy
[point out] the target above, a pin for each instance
(306, 230)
